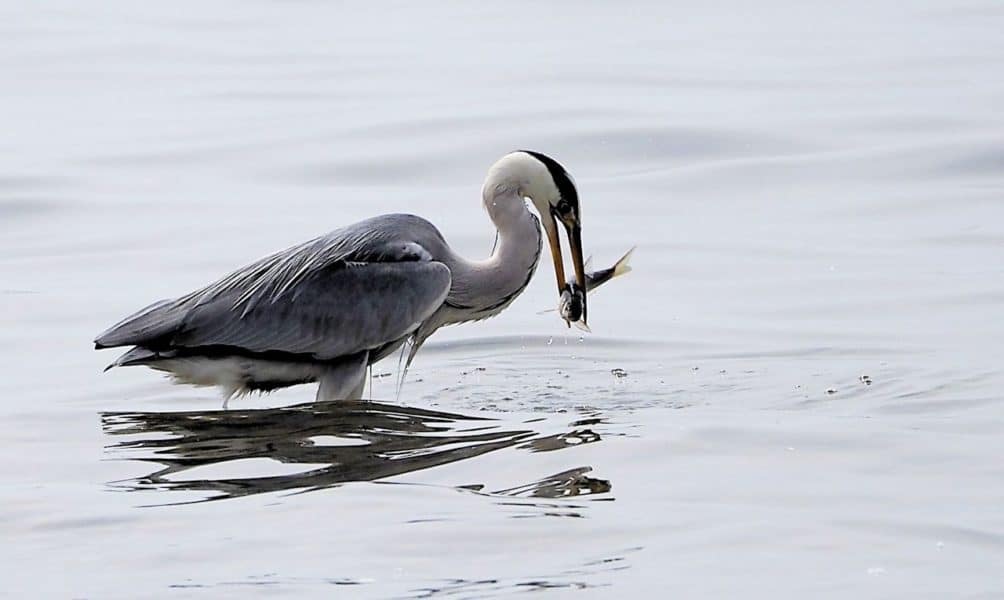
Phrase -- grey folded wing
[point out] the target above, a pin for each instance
(337, 312)
(307, 301)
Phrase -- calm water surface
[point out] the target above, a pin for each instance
(796, 394)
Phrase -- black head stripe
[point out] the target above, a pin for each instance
(561, 179)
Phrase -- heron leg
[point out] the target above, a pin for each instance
(344, 380)
(360, 391)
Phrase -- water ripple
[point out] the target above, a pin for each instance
(324, 444)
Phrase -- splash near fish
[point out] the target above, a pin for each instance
(572, 299)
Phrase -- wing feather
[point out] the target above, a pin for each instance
(339, 311)
(353, 289)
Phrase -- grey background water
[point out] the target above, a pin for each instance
(812, 335)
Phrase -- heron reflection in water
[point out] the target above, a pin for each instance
(375, 441)
(327, 309)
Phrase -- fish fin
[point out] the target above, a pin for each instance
(588, 264)
(622, 266)
(582, 325)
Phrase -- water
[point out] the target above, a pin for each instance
(797, 393)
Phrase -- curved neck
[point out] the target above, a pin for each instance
(518, 231)
(489, 285)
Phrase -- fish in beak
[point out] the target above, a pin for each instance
(575, 242)
(571, 304)
(573, 231)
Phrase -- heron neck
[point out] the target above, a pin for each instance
(489, 285)
(519, 242)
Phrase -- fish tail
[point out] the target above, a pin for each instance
(622, 266)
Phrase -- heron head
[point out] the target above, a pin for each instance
(554, 196)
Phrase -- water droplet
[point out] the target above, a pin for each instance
(550, 341)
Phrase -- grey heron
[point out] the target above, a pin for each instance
(325, 310)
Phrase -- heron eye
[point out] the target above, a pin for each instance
(564, 207)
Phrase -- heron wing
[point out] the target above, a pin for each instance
(341, 310)
(354, 289)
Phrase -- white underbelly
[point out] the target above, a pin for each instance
(237, 374)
